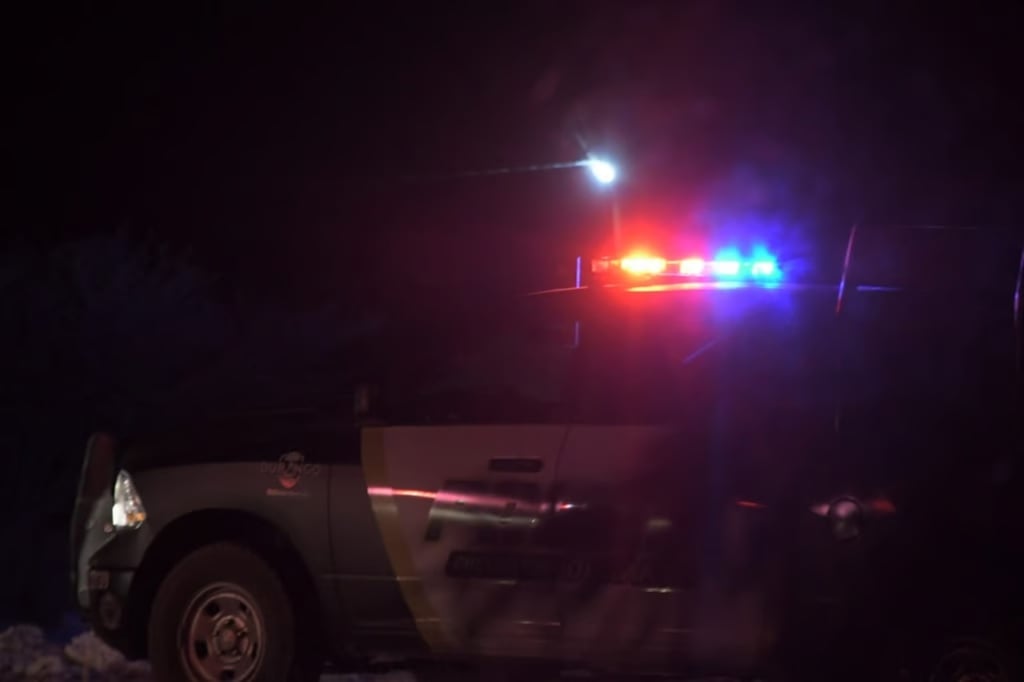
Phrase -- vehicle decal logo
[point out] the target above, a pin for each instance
(289, 470)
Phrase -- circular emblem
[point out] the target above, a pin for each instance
(290, 470)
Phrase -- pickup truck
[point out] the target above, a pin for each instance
(703, 473)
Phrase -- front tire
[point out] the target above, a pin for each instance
(222, 613)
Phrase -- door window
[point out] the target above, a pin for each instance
(507, 365)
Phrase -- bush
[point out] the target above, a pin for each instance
(105, 332)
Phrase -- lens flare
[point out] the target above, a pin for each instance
(643, 265)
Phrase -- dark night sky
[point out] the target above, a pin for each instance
(290, 150)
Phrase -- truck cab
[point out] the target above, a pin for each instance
(692, 464)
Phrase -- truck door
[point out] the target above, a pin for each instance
(676, 488)
(930, 419)
(459, 482)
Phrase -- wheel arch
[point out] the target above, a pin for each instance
(199, 528)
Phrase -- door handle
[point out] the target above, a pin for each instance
(516, 465)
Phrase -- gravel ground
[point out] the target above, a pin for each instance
(27, 653)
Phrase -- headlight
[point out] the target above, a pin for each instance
(127, 511)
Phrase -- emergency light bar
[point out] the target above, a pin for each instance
(695, 268)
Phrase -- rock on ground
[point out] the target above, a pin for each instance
(25, 654)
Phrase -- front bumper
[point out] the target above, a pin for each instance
(102, 603)
(103, 577)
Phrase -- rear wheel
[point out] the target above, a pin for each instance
(223, 614)
(973, 660)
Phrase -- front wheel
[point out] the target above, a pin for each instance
(223, 614)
